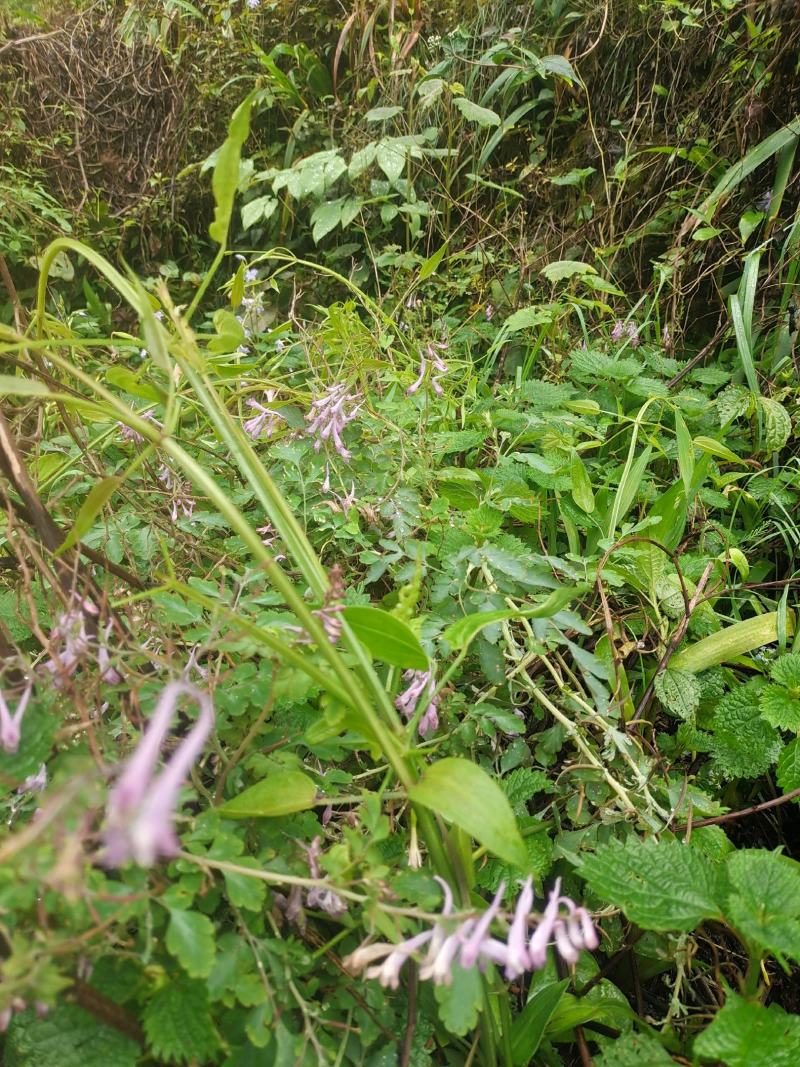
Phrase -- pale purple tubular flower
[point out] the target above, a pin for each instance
(181, 503)
(618, 331)
(266, 422)
(438, 365)
(666, 339)
(517, 960)
(127, 433)
(35, 783)
(489, 312)
(420, 686)
(10, 725)
(141, 807)
(633, 334)
(474, 944)
(423, 366)
(329, 415)
(251, 274)
(72, 644)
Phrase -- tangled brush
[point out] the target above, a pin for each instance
(102, 114)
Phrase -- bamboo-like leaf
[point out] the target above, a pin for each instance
(732, 642)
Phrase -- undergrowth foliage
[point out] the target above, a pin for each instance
(397, 613)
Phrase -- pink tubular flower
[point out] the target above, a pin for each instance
(266, 421)
(329, 415)
(181, 501)
(468, 942)
(618, 331)
(437, 363)
(633, 334)
(127, 433)
(72, 644)
(141, 807)
(10, 725)
(420, 686)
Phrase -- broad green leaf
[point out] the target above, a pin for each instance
(528, 1027)
(777, 424)
(178, 1024)
(190, 939)
(391, 158)
(746, 1034)
(387, 638)
(660, 885)
(581, 486)
(465, 795)
(744, 745)
(258, 210)
(225, 180)
(731, 642)
(460, 1001)
(780, 708)
(459, 634)
(678, 691)
(527, 317)
(566, 268)
(764, 902)
(325, 218)
(94, 503)
(483, 116)
(280, 794)
(381, 114)
(634, 1050)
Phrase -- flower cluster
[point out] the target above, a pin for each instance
(266, 421)
(420, 686)
(71, 642)
(469, 943)
(329, 415)
(318, 897)
(10, 724)
(629, 329)
(141, 807)
(127, 433)
(438, 365)
(182, 503)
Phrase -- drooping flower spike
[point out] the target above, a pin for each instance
(329, 415)
(421, 685)
(141, 807)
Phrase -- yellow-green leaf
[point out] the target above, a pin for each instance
(282, 793)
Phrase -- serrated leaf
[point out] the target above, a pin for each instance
(746, 1034)
(635, 1050)
(764, 902)
(777, 424)
(464, 794)
(779, 708)
(66, 1037)
(524, 319)
(472, 112)
(282, 793)
(190, 939)
(678, 691)
(388, 638)
(786, 670)
(460, 1001)
(178, 1023)
(660, 885)
(743, 744)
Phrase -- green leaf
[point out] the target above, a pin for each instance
(387, 638)
(459, 634)
(779, 708)
(743, 744)
(786, 671)
(381, 114)
(777, 424)
(581, 486)
(525, 318)
(391, 158)
(746, 1034)
(262, 208)
(528, 1027)
(764, 903)
(66, 1037)
(731, 642)
(460, 1001)
(716, 448)
(464, 794)
(683, 440)
(11, 385)
(244, 891)
(678, 691)
(282, 793)
(635, 1050)
(566, 268)
(431, 264)
(94, 503)
(660, 885)
(190, 939)
(472, 112)
(788, 769)
(225, 180)
(178, 1023)
(325, 218)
